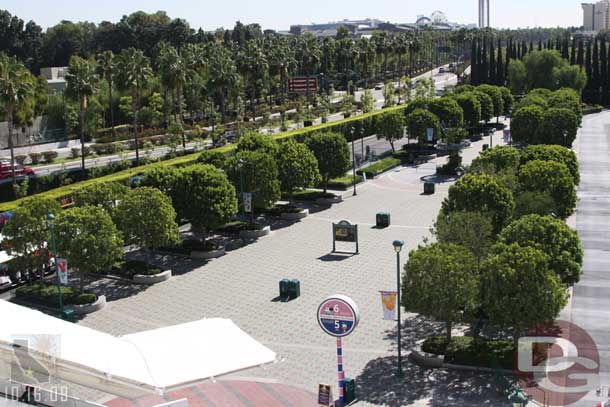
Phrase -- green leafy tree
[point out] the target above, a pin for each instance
(297, 166)
(508, 100)
(213, 157)
(500, 158)
(368, 101)
(487, 105)
(481, 193)
(253, 141)
(257, 173)
(104, 195)
(83, 83)
(552, 177)
(389, 95)
(472, 230)
(534, 202)
(551, 236)
(495, 94)
(553, 153)
(471, 107)
(418, 123)
(519, 290)
(146, 218)
(330, 149)
(203, 195)
(27, 233)
(526, 124)
(440, 282)
(517, 77)
(391, 127)
(448, 111)
(559, 126)
(88, 239)
(573, 77)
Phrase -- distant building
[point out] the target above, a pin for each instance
(56, 77)
(330, 29)
(596, 16)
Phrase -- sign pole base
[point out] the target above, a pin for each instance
(341, 373)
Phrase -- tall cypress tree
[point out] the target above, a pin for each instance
(518, 54)
(540, 45)
(475, 63)
(580, 57)
(523, 49)
(573, 53)
(603, 74)
(509, 54)
(565, 53)
(531, 46)
(588, 66)
(595, 69)
(492, 63)
(484, 63)
(500, 75)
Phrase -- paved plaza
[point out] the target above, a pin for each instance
(242, 286)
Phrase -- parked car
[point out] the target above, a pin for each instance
(379, 86)
(442, 70)
(20, 170)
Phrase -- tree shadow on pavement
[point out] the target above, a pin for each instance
(414, 329)
(379, 385)
(114, 290)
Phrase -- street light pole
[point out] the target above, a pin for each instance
(51, 219)
(353, 132)
(398, 244)
(240, 164)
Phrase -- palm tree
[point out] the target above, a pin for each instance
(16, 88)
(134, 73)
(82, 83)
(107, 66)
(224, 78)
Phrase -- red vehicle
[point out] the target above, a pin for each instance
(20, 170)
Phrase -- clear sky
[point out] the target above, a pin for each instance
(280, 14)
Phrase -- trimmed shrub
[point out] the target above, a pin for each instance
(20, 159)
(35, 157)
(49, 156)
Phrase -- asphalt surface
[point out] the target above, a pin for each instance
(590, 305)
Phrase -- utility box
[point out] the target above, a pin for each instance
(284, 287)
(349, 390)
(429, 188)
(485, 147)
(382, 220)
(294, 289)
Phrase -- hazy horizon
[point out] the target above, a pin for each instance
(274, 14)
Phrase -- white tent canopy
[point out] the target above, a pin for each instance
(153, 361)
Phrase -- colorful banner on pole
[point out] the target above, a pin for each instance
(62, 270)
(388, 302)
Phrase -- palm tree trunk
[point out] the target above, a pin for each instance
(449, 327)
(111, 109)
(179, 99)
(81, 118)
(9, 117)
(135, 104)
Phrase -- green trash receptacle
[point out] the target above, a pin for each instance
(382, 220)
(349, 390)
(485, 147)
(284, 288)
(429, 188)
(294, 290)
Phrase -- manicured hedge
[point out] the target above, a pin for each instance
(130, 268)
(47, 295)
(366, 122)
(380, 167)
(344, 183)
(469, 351)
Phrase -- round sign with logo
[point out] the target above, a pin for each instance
(338, 315)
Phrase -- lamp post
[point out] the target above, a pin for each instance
(353, 133)
(51, 220)
(398, 244)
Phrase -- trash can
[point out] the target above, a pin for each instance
(349, 390)
(382, 220)
(284, 287)
(294, 289)
(485, 147)
(429, 188)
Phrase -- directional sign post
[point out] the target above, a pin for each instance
(303, 84)
(338, 316)
(345, 231)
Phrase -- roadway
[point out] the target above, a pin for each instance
(442, 81)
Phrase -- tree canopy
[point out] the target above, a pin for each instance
(330, 149)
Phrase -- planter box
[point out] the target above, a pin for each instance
(212, 254)
(255, 234)
(89, 308)
(152, 279)
(329, 201)
(295, 216)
